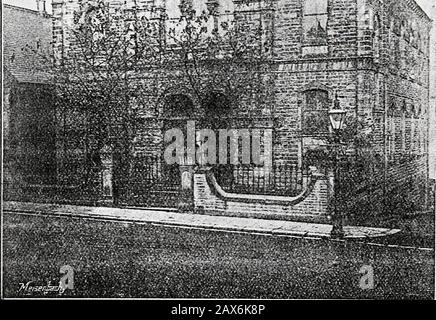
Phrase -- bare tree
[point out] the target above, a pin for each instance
(116, 55)
(96, 79)
(230, 54)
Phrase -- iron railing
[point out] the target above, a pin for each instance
(280, 179)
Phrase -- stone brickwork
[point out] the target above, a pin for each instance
(370, 54)
(312, 205)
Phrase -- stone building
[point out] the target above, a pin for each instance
(369, 56)
(28, 109)
(430, 7)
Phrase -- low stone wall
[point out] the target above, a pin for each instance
(386, 194)
(312, 205)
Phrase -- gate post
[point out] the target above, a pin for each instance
(107, 176)
(186, 195)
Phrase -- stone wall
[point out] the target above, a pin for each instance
(388, 194)
(374, 54)
(311, 205)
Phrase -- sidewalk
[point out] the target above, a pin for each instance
(168, 218)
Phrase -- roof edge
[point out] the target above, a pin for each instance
(419, 10)
(11, 6)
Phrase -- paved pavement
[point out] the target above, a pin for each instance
(171, 218)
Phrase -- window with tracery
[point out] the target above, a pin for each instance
(390, 132)
(315, 15)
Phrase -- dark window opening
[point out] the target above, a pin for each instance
(315, 113)
(216, 105)
(178, 106)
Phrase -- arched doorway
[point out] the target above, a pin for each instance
(165, 184)
(217, 111)
(218, 116)
(211, 112)
(178, 109)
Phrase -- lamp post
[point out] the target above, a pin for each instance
(337, 119)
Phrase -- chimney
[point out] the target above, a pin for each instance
(40, 6)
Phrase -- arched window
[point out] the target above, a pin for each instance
(397, 56)
(315, 118)
(391, 34)
(397, 27)
(410, 33)
(418, 112)
(424, 44)
(377, 37)
(398, 123)
(414, 35)
(412, 129)
(417, 129)
(391, 131)
(419, 136)
(94, 19)
(409, 129)
(405, 31)
(403, 126)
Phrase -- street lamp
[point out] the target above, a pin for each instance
(337, 119)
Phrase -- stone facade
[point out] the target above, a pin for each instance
(312, 205)
(372, 55)
(430, 6)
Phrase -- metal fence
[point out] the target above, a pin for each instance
(150, 182)
(280, 179)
